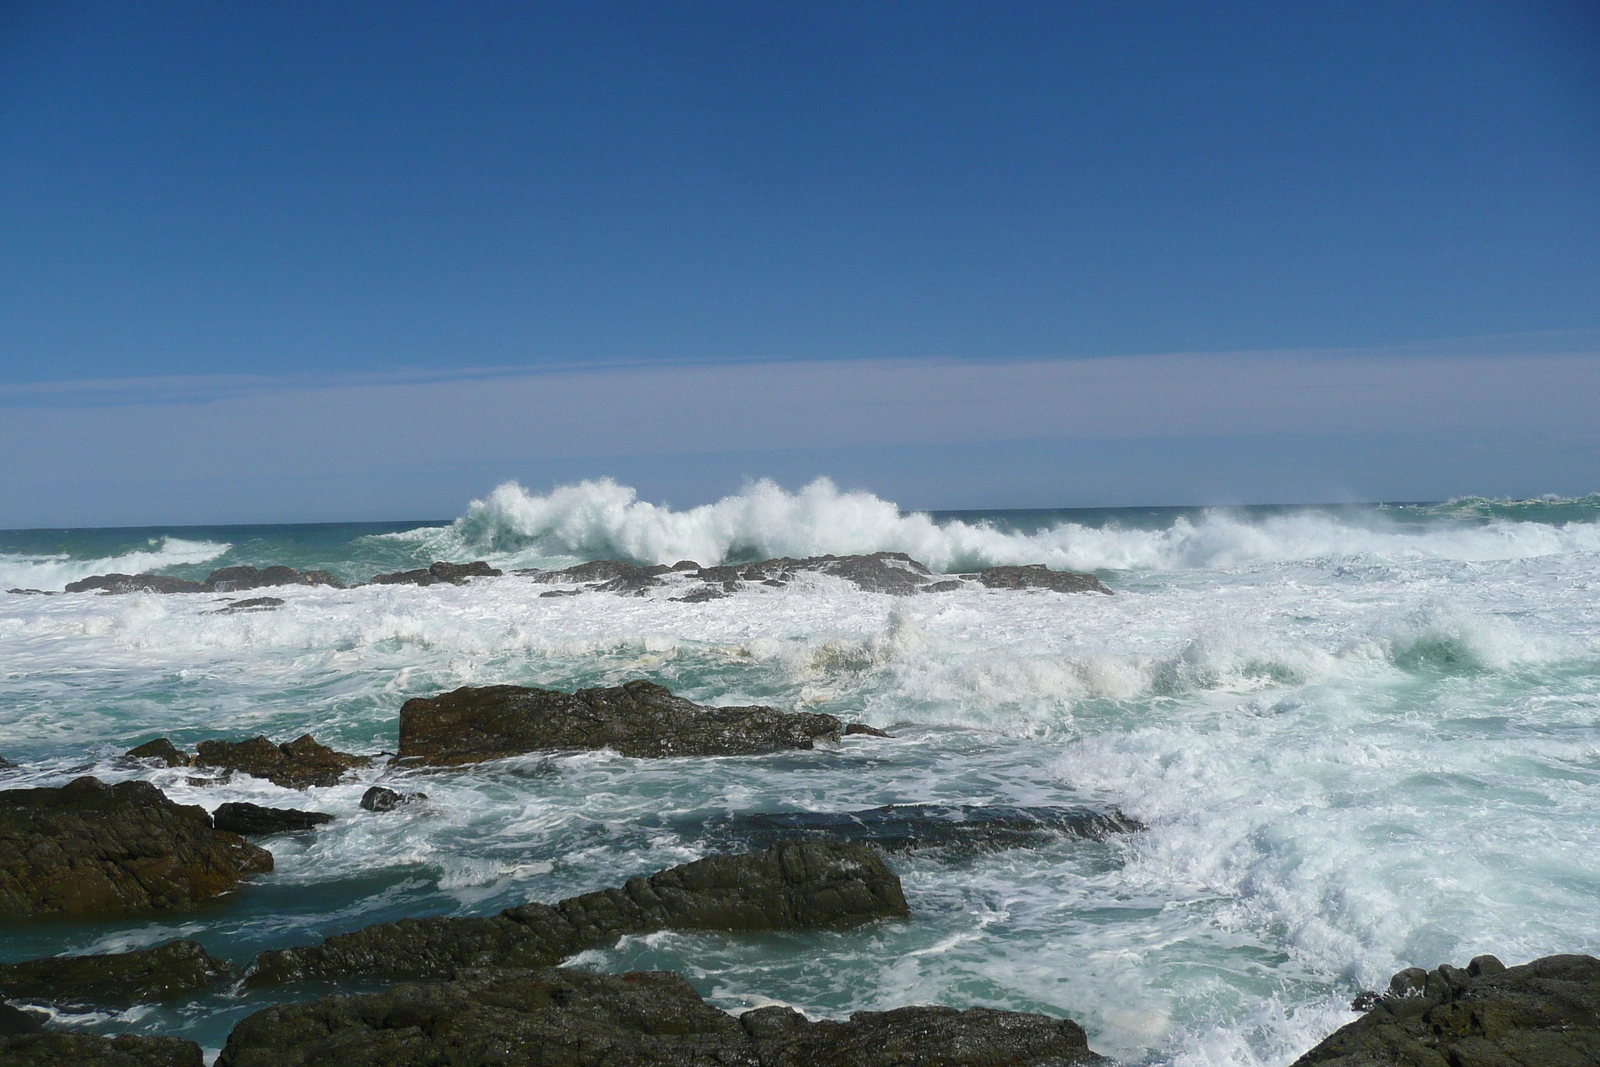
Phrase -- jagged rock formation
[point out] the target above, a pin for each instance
(253, 820)
(640, 718)
(1544, 1013)
(293, 764)
(91, 849)
(440, 572)
(170, 970)
(1038, 576)
(570, 1018)
(793, 886)
(56, 1049)
(223, 580)
(964, 828)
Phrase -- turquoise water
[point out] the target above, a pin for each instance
(1363, 737)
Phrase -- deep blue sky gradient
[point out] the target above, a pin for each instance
(282, 189)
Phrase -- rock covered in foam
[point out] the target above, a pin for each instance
(223, 580)
(379, 798)
(439, 573)
(792, 886)
(90, 849)
(1546, 1012)
(170, 970)
(57, 1049)
(960, 828)
(560, 1017)
(640, 718)
(1038, 576)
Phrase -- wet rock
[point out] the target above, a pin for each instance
(235, 579)
(881, 572)
(174, 969)
(640, 718)
(1038, 576)
(863, 728)
(161, 750)
(559, 1017)
(260, 603)
(439, 573)
(694, 596)
(949, 585)
(14, 1021)
(963, 828)
(1546, 1012)
(90, 849)
(294, 764)
(31, 592)
(136, 583)
(5, 764)
(380, 799)
(792, 886)
(253, 820)
(88, 1050)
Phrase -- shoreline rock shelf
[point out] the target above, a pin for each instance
(293, 764)
(792, 886)
(473, 724)
(175, 969)
(87, 849)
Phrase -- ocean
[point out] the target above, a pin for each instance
(1361, 738)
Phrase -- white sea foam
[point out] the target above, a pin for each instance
(53, 572)
(596, 519)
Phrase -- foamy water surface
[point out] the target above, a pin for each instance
(1362, 739)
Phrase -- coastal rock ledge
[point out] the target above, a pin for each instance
(557, 1017)
(473, 724)
(87, 849)
(1541, 1014)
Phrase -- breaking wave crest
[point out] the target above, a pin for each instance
(599, 519)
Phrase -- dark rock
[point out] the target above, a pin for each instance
(163, 750)
(792, 886)
(685, 565)
(260, 603)
(294, 764)
(5, 763)
(559, 1017)
(89, 849)
(136, 583)
(253, 820)
(881, 572)
(1038, 576)
(87, 1050)
(440, 572)
(640, 718)
(31, 592)
(380, 799)
(1546, 1012)
(170, 970)
(863, 728)
(14, 1021)
(561, 592)
(694, 596)
(235, 579)
(607, 576)
(949, 585)
(961, 827)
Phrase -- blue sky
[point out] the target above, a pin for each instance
(233, 232)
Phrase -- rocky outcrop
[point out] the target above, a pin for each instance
(438, 573)
(255, 603)
(792, 886)
(559, 1017)
(90, 849)
(88, 1050)
(293, 764)
(174, 969)
(963, 828)
(14, 1021)
(1038, 576)
(253, 820)
(379, 798)
(223, 580)
(1484, 1015)
(161, 751)
(640, 718)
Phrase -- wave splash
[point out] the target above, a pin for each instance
(603, 519)
(54, 571)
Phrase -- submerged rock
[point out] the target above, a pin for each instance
(962, 827)
(293, 764)
(161, 750)
(90, 849)
(253, 820)
(792, 886)
(440, 572)
(559, 1017)
(1546, 1012)
(170, 970)
(1038, 576)
(258, 603)
(57, 1049)
(380, 799)
(640, 718)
